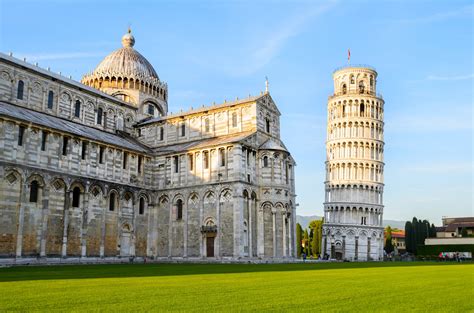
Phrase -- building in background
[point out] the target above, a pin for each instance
(398, 240)
(353, 207)
(101, 169)
(455, 231)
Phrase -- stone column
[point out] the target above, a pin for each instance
(185, 229)
(356, 250)
(368, 248)
(67, 204)
(343, 247)
(21, 216)
(170, 227)
(102, 229)
(290, 238)
(274, 231)
(260, 233)
(325, 244)
(332, 247)
(44, 217)
(219, 231)
(283, 219)
(238, 223)
(250, 226)
(85, 212)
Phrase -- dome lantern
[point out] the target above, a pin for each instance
(128, 41)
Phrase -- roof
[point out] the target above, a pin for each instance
(455, 226)
(198, 144)
(200, 110)
(458, 219)
(43, 119)
(271, 144)
(67, 81)
(126, 62)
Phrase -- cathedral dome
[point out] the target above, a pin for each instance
(126, 62)
(127, 75)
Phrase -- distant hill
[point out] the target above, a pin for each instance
(394, 224)
(305, 220)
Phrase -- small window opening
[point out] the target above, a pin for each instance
(76, 195)
(34, 191)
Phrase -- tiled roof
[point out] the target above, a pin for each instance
(454, 226)
(271, 144)
(199, 144)
(201, 109)
(39, 118)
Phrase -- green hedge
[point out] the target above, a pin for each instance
(436, 249)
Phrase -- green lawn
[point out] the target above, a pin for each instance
(362, 287)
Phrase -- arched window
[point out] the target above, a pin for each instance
(141, 209)
(183, 130)
(267, 125)
(162, 134)
(362, 109)
(343, 111)
(234, 119)
(77, 109)
(50, 99)
(206, 125)
(151, 109)
(21, 86)
(99, 116)
(352, 79)
(371, 81)
(361, 87)
(179, 209)
(34, 191)
(265, 161)
(76, 195)
(112, 200)
(222, 156)
(205, 155)
(344, 89)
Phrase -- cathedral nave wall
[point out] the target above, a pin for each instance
(36, 93)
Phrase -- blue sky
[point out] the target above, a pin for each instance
(214, 50)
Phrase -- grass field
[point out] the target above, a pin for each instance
(362, 287)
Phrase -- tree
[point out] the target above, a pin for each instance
(416, 232)
(317, 229)
(408, 237)
(306, 242)
(432, 231)
(388, 240)
(299, 233)
(464, 232)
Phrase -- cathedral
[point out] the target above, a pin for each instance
(99, 170)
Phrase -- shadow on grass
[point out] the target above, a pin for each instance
(162, 269)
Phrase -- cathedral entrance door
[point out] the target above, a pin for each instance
(210, 247)
(125, 244)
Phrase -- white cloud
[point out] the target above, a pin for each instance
(250, 58)
(423, 122)
(440, 16)
(61, 56)
(441, 168)
(458, 77)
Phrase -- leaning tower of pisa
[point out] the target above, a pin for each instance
(353, 206)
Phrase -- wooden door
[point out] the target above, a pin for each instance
(210, 246)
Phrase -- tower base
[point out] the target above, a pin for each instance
(352, 242)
